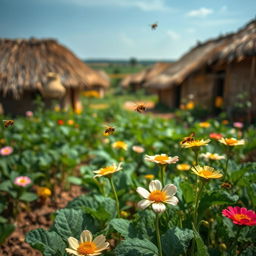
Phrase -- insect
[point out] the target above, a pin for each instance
(226, 185)
(154, 26)
(8, 123)
(109, 131)
(140, 108)
(188, 139)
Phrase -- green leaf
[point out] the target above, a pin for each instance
(135, 246)
(47, 242)
(68, 222)
(28, 197)
(176, 241)
(74, 180)
(5, 230)
(186, 189)
(201, 248)
(249, 251)
(124, 227)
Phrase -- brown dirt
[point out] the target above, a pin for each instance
(39, 216)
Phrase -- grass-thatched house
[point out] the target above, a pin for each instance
(219, 68)
(29, 67)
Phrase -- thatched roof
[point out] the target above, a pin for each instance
(25, 63)
(225, 49)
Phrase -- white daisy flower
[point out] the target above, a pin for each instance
(162, 159)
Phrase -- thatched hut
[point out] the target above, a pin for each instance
(25, 65)
(219, 68)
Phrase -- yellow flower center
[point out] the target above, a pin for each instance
(107, 170)
(206, 173)
(161, 158)
(157, 196)
(6, 150)
(22, 181)
(87, 248)
(241, 217)
(231, 141)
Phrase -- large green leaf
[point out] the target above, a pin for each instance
(68, 222)
(201, 247)
(28, 197)
(47, 242)
(5, 230)
(135, 246)
(176, 241)
(124, 227)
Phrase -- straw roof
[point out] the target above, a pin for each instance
(225, 49)
(98, 78)
(25, 63)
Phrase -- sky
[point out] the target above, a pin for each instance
(120, 29)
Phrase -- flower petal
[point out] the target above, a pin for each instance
(144, 203)
(86, 236)
(170, 189)
(143, 192)
(155, 185)
(73, 243)
(173, 200)
(158, 207)
(71, 251)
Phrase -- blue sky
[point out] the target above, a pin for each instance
(119, 29)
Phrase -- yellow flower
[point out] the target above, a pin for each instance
(78, 111)
(124, 214)
(204, 125)
(57, 108)
(212, 156)
(231, 141)
(206, 172)
(218, 102)
(70, 122)
(108, 170)
(86, 246)
(195, 143)
(162, 159)
(120, 145)
(190, 105)
(99, 106)
(183, 167)
(91, 94)
(149, 176)
(43, 192)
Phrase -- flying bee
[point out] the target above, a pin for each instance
(8, 123)
(140, 108)
(109, 131)
(188, 139)
(154, 26)
(226, 185)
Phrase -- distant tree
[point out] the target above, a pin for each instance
(133, 61)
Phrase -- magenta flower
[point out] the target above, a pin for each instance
(29, 114)
(238, 125)
(6, 151)
(22, 181)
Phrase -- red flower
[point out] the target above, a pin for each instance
(240, 216)
(60, 122)
(215, 136)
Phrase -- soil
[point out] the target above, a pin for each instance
(39, 216)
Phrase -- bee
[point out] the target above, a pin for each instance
(140, 108)
(154, 26)
(188, 139)
(8, 123)
(226, 185)
(109, 131)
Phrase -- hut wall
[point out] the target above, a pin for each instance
(167, 97)
(200, 85)
(240, 78)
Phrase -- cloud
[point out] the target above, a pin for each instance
(202, 12)
(173, 35)
(143, 5)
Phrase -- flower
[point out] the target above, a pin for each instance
(138, 149)
(206, 172)
(183, 167)
(60, 122)
(239, 125)
(162, 159)
(108, 170)
(87, 246)
(215, 136)
(195, 143)
(212, 156)
(240, 216)
(225, 122)
(157, 197)
(6, 151)
(22, 181)
(231, 141)
(120, 145)
(70, 122)
(218, 102)
(124, 214)
(43, 192)
(91, 94)
(29, 114)
(204, 125)
(190, 105)
(57, 108)
(149, 176)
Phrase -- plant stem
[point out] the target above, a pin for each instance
(116, 197)
(228, 154)
(235, 240)
(162, 173)
(158, 235)
(196, 151)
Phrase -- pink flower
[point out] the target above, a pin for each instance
(238, 125)
(215, 136)
(22, 181)
(240, 216)
(6, 151)
(138, 149)
(29, 114)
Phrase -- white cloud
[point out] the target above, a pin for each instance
(173, 35)
(144, 5)
(202, 12)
